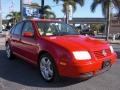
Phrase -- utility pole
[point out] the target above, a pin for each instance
(0, 18)
(108, 22)
(42, 9)
(21, 9)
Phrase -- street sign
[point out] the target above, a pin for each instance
(31, 12)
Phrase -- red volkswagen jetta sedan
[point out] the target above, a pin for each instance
(58, 50)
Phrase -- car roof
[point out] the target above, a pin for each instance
(43, 20)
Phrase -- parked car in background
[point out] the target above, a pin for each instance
(3, 27)
(87, 32)
(58, 50)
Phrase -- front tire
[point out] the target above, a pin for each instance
(47, 68)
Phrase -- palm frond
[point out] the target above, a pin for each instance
(14, 16)
(80, 2)
(46, 7)
(48, 12)
(95, 4)
(116, 4)
(70, 2)
(51, 15)
(9, 16)
(56, 1)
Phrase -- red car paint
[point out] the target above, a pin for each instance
(61, 48)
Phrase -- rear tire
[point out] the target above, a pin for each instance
(9, 51)
(47, 68)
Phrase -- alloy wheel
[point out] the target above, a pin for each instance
(46, 68)
(8, 51)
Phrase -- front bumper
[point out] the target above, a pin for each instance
(85, 69)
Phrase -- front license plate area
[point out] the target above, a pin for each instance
(106, 64)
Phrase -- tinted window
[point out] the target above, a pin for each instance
(28, 27)
(12, 30)
(18, 28)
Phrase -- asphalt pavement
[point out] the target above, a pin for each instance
(18, 75)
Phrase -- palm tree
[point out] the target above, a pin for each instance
(14, 17)
(66, 4)
(47, 13)
(106, 7)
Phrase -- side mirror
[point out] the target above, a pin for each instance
(28, 34)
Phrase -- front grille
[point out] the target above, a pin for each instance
(99, 54)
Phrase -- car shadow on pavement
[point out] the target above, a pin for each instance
(18, 71)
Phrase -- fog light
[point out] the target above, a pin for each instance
(86, 75)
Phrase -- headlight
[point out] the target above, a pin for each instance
(81, 55)
(111, 48)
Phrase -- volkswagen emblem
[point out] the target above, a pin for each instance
(104, 53)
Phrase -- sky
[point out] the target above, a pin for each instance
(81, 12)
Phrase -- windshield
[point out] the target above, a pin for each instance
(55, 29)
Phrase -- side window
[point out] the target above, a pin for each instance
(18, 28)
(28, 28)
(12, 30)
(45, 29)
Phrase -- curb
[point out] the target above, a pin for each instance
(110, 41)
(114, 42)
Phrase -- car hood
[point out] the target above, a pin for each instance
(78, 42)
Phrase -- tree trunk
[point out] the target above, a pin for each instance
(67, 13)
(108, 22)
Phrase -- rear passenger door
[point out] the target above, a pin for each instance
(15, 37)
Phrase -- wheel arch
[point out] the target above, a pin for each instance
(43, 52)
(54, 62)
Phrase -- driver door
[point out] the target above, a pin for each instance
(28, 44)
